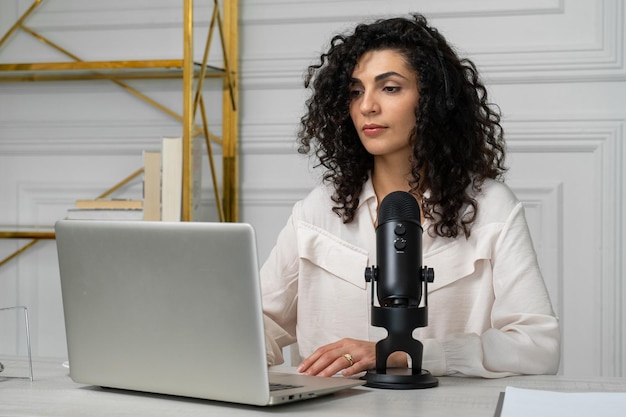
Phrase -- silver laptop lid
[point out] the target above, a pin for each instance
(170, 308)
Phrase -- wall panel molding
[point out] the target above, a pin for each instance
(539, 134)
(85, 137)
(44, 202)
(67, 15)
(41, 203)
(301, 11)
(94, 30)
(599, 56)
(603, 141)
(571, 134)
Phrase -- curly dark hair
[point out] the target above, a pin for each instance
(457, 140)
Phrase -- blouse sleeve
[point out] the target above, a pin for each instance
(524, 334)
(279, 286)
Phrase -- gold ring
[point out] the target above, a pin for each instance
(349, 358)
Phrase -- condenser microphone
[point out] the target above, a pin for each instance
(399, 251)
(399, 281)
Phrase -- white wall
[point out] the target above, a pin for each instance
(555, 67)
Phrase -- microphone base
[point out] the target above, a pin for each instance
(400, 378)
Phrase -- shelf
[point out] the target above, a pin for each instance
(97, 70)
(34, 233)
(26, 232)
(117, 72)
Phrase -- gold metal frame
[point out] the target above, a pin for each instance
(185, 68)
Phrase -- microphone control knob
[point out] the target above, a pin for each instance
(400, 230)
(399, 244)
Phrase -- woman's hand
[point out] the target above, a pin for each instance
(348, 356)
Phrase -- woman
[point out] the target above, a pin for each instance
(393, 108)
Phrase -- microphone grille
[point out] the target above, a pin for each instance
(398, 205)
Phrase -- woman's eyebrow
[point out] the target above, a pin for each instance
(388, 74)
(379, 77)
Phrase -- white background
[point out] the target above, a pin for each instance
(555, 67)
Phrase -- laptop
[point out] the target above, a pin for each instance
(171, 308)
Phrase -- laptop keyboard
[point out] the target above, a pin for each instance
(278, 387)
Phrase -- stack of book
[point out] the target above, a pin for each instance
(162, 189)
(101, 209)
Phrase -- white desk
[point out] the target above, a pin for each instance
(53, 393)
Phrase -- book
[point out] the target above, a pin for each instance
(152, 185)
(109, 204)
(104, 214)
(171, 178)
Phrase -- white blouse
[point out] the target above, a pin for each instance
(489, 313)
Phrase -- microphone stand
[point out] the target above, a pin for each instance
(400, 321)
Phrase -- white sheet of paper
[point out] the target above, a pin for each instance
(520, 402)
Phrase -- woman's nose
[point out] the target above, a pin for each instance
(369, 104)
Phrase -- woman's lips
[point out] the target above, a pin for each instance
(372, 130)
